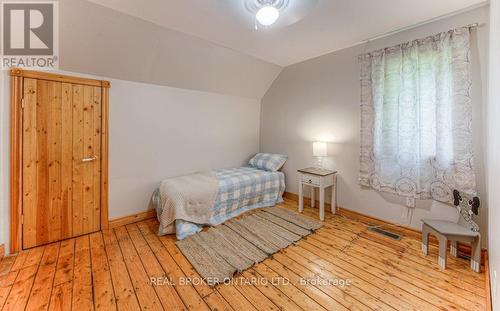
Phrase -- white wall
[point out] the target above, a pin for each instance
(156, 132)
(319, 100)
(4, 156)
(493, 150)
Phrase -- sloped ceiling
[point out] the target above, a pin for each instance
(101, 41)
(329, 26)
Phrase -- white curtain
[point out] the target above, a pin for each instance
(416, 117)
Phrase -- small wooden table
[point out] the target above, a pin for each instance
(318, 178)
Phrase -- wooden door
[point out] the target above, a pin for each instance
(61, 167)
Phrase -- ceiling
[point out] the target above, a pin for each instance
(329, 26)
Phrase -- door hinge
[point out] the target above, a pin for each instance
(22, 219)
(22, 103)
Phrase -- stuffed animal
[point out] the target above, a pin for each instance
(467, 206)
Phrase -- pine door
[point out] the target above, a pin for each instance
(61, 167)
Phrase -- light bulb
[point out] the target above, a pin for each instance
(267, 15)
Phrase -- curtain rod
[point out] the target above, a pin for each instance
(470, 8)
(473, 25)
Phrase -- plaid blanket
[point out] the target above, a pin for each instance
(240, 190)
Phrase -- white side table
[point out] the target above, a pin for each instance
(318, 178)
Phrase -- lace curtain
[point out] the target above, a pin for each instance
(416, 117)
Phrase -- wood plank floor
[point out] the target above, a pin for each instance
(342, 266)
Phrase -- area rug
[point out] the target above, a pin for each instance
(221, 251)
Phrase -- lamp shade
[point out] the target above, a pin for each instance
(319, 149)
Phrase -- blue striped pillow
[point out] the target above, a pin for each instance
(268, 161)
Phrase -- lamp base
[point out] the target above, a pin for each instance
(320, 163)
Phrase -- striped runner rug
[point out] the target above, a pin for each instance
(222, 251)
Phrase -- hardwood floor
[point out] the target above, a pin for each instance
(130, 268)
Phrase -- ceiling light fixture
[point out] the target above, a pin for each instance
(256, 12)
(267, 15)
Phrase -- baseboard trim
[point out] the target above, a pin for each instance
(402, 230)
(2, 251)
(130, 219)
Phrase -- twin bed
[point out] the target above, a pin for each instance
(185, 204)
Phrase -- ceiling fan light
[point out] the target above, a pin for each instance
(267, 15)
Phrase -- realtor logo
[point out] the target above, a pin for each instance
(29, 34)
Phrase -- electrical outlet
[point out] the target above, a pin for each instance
(410, 202)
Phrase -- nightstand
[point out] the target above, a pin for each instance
(318, 178)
